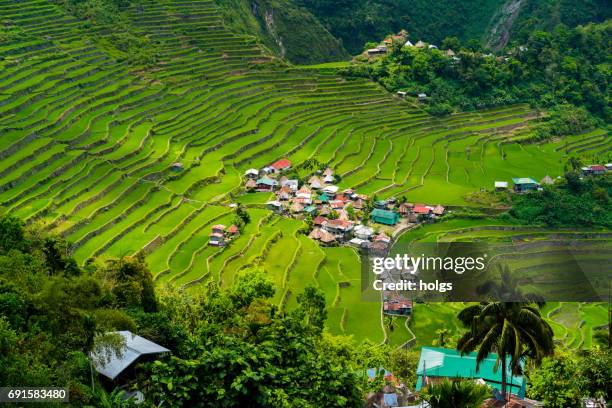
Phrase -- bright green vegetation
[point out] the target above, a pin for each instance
(574, 324)
(89, 135)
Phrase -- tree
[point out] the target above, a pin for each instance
(556, 382)
(11, 234)
(403, 364)
(512, 330)
(595, 375)
(575, 163)
(452, 43)
(131, 282)
(442, 339)
(456, 394)
(312, 303)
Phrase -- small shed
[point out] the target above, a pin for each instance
(251, 173)
(547, 180)
(274, 206)
(385, 217)
(422, 97)
(135, 348)
(176, 166)
(501, 185)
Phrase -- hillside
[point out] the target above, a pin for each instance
(93, 119)
(492, 22)
(360, 21)
(290, 31)
(517, 19)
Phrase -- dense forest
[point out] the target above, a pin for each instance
(356, 22)
(229, 347)
(573, 202)
(565, 66)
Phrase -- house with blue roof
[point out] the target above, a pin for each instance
(523, 184)
(437, 364)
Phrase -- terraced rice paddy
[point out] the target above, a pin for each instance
(87, 144)
(572, 322)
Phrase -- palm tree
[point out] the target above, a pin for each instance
(514, 330)
(456, 394)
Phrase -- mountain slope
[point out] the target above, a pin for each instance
(290, 31)
(517, 19)
(359, 21)
(494, 22)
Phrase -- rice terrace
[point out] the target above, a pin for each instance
(121, 157)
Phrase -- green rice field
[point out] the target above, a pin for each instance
(87, 144)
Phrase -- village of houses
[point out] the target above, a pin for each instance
(338, 216)
(346, 217)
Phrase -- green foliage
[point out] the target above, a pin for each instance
(403, 364)
(456, 394)
(565, 120)
(131, 283)
(291, 31)
(96, 11)
(566, 68)
(514, 330)
(357, 21)
(555, 383)
(242, 351)
(575, 203)
(564, 379)
(546, 15)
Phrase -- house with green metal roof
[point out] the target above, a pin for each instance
(323, 198)
(385, 217)
(436, 364)
(523, 184)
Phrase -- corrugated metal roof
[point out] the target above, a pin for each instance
(135, 346)
(442, 362)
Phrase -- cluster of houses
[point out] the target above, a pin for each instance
(220, 235)
(402, 37)
(337, 215)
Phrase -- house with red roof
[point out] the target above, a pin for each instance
(280, 165)
(318, 221)
(397, 307)
(232, 230)
(421, 209)
(596, 169)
